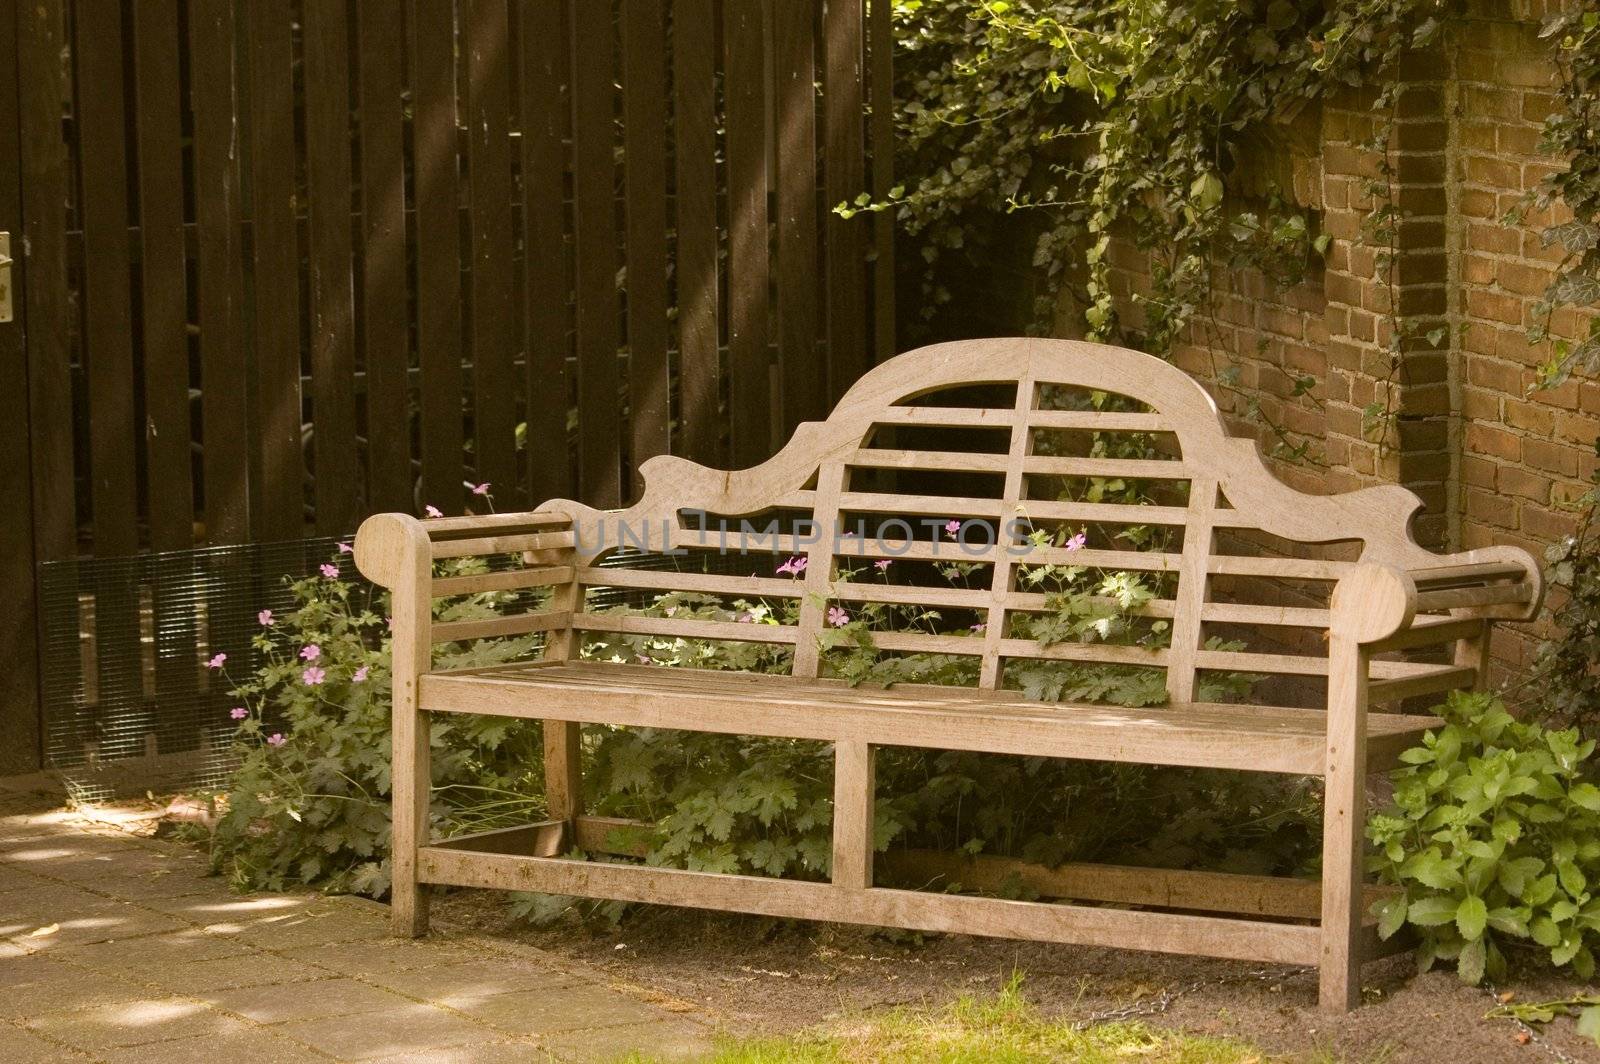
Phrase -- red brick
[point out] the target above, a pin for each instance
(1553, 457)
(1514, 480)
(1493, 441)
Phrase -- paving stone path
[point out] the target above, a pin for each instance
(119, 949)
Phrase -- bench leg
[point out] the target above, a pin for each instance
(1343, 827)
(563, 772)
(853, 787)
(412, 782)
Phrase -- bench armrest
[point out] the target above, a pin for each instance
(1387, 607)
(398, 551)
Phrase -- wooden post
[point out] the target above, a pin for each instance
(563, 755)
(853, 787)
(1344, 819)
(393, 550)
(1369, 604)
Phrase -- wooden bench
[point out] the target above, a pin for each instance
(955, 431)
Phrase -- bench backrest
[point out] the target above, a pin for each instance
(1009, 435)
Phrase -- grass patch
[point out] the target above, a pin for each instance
(1001, 1029)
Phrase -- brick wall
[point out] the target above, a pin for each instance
(1493, 461)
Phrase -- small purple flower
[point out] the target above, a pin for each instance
(837, 616)
(217, 661)
(313, 676)
(980, 627)
(345, 548)
(881, 564)
(360, 675)
(276, 739)
(670, 610)
(330, 571)
(644, 659)
(432, 511)
(481, 489)
(745, 617)
(794, 566)
(952, 528)
(265, 617)
(238, 713)
(310, 653)
(1077, 542)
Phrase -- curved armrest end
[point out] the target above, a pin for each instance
(388, 546)
(1373, 602)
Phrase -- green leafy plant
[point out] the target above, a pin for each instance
(309, 800)
(1494, 842)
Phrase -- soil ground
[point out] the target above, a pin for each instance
(769, 976)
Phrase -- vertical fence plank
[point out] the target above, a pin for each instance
(695, 112)
(20, 717)
(880, 53)
(749, 364)
(280, 511)
(595, 238)
(438, 250)
(544, 109)
(332, 310)
(225, 455)
(488, 90)
(803, 388)
(169, 484)
(169, 479)
(108, 325)
(645, 162)
(380, 54)
(41, 32)
(843, 178)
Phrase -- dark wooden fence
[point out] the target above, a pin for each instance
(288, 262)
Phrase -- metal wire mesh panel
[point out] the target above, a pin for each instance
(129, 704)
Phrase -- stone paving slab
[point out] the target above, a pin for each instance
(121, 950)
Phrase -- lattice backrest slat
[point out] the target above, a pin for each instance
(1019, 437)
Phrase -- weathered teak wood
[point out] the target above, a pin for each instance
(1393, 596)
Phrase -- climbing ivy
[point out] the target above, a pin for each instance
(1095, 118)
(1564, 671)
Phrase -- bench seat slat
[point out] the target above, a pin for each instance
(1264, 738)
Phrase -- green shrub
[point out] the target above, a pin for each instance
(1494, 840)
(309, 801)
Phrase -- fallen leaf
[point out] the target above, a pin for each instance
(1505, 996)
(1523, 1038)
(45, 931)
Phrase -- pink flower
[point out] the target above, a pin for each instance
(313, 676)
(360, 675)
(330, 571)
(216, 662)
(1077, 542)
(345, 548)
(952, 528)
(481, 489)
(275, 739)
(644, 659)
(980, 627)
(794, 566)
(745, 618)
(432, 511)
(238, 713)
(837, 616)
(388, 622)
(310, 653)
(881, 564)
(265, 617)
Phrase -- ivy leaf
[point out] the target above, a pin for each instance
(1586, 795)
(1391, 916)
(1471, 917)
(1432, 911)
